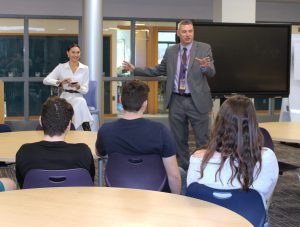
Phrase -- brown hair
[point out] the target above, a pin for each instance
(134, 94)
(236, 136)
(56, 116)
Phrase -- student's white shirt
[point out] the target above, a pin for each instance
(264, 183)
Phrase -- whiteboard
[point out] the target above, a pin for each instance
(294, 97)
(296, 53)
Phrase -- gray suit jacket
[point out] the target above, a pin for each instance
(197, 80)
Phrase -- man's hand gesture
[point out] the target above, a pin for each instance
(127, 66)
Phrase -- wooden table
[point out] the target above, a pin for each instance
(97, 206)
(10, 142)
(283, 131)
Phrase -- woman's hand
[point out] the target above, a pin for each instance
(64, 81)
(74, 85)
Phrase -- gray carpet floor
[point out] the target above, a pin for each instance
(285, 206)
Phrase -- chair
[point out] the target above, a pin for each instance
(268, 139)
(269, 143)
(247, 204)
(4, 128)
(91, 100)
(90, 97)
(39, 178)
(132, 171)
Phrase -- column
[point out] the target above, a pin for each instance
(92, 43)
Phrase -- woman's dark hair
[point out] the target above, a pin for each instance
(56, 116)
(134, 94)
(72, 45)
(237, 137)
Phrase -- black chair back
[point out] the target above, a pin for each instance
(135, 171)
(248, 204)
(268, 139)
(39, 178)
(4, 128)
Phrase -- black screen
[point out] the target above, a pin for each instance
(250, 59)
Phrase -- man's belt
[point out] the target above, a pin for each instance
(183, 94)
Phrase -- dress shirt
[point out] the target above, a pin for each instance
(180, 53)
(63, 71)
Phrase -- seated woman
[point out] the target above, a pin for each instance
(7, 184)
(235, 156)
(73, 77)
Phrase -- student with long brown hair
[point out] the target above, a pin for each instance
(235, 156)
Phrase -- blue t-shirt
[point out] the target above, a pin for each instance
(2, 189)
(138, 136)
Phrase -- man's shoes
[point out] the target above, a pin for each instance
(86, 126)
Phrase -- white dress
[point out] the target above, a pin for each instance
(264, 183)
(81, 75)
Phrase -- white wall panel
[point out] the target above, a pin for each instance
(279, 12)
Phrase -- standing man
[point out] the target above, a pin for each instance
(186, 66)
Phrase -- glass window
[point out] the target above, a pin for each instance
(152, 39)
(263, 103)
(13, 96)
(38, 93)
(116, 98)
(165, 39)
(48, 42)
(12, 63)
(116, 49)
(11, 47)
(118, 34)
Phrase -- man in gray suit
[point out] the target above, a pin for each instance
(187, 66)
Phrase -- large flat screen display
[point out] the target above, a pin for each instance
(250, 59)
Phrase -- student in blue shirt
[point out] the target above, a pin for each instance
(7, 184)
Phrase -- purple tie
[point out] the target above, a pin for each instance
(183, 68)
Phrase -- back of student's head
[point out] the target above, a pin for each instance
(56, 116)
(134, 94)
(236, 136)
(237, 120)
